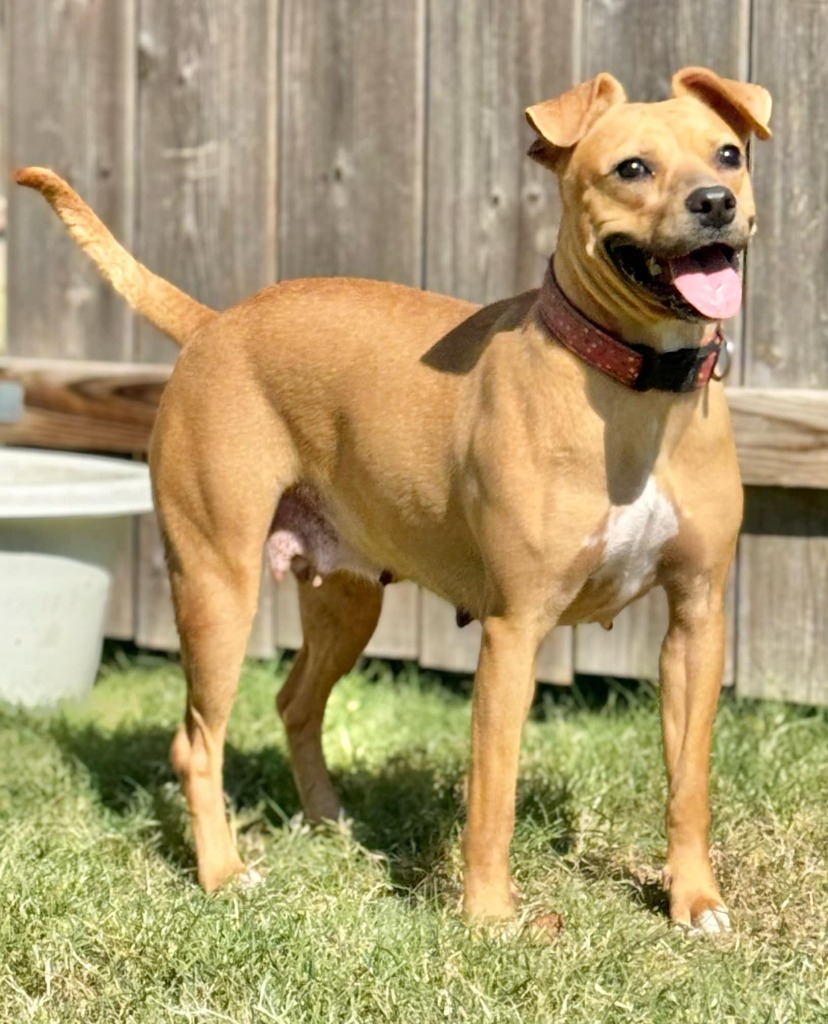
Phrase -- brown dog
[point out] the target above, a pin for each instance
(544, 460)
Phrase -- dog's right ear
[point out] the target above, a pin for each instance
(562, 122)
(746, 107)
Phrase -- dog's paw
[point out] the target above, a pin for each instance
(695, 903)
(249, 878)
(704, 916)
(712, 921)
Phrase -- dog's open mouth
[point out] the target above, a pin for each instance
(702, 283)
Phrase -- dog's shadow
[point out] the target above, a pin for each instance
(645, 887)
(406, 809)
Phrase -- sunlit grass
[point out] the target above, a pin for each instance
(101, 920)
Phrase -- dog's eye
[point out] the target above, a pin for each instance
(635, 167)
(729, 156)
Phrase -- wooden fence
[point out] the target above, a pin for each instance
(232, 143)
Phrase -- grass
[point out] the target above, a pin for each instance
(100, 920)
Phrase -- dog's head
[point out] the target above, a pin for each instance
(657, 198)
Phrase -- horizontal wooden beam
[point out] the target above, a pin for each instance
(82, 406)
(781, 433)
(781, 436)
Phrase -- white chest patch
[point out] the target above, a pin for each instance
(633, 539)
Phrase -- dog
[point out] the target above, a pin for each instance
(543, 460)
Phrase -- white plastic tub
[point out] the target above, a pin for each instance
(62, 520)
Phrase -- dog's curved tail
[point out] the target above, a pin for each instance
(166, 307)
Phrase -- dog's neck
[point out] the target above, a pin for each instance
(638, 366)
(622, 315)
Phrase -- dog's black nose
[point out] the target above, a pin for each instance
(714, 205)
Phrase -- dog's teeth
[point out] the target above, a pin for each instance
(653, 266)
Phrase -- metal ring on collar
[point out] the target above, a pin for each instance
(724, 360)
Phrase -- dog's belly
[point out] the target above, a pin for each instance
(622, 556)
(628, 551)
(313, 538)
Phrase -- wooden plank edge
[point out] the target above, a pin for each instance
(781, 436)
(80, 405)
(781, 433)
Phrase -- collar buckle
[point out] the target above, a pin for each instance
(679, 371)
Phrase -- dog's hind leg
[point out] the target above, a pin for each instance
(215, 603)
(214, 609)
(338, 619)
(215, 492)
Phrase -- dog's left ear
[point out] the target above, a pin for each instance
(562, 122)
(746, 107)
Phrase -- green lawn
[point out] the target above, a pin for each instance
(101, 920)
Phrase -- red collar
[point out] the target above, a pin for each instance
(637, 366)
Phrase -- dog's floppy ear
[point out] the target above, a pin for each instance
(562, 122)
(746, 107)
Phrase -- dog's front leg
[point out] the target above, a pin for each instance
(503, 689)
(692, 663)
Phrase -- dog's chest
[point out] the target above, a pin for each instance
(629, 548)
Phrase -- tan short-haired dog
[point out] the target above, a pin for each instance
(543, 460)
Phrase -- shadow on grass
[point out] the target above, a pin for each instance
(611, 695)
(409, 809)
(605, 695)
(644, 886)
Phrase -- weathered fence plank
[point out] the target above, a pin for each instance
(397, 632)
(781, 436)
(4, 95)
(635, 639)
(442, 644)
(445, 646)
(120, 619)
(206, 199)
(631, 648)
(781, 651)
(492, 214)
(72, 108)
(4, 159)
(351, 183)
(783, 581)
(642, 42)
(155, 624)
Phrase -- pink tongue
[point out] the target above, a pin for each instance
(708, 282)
